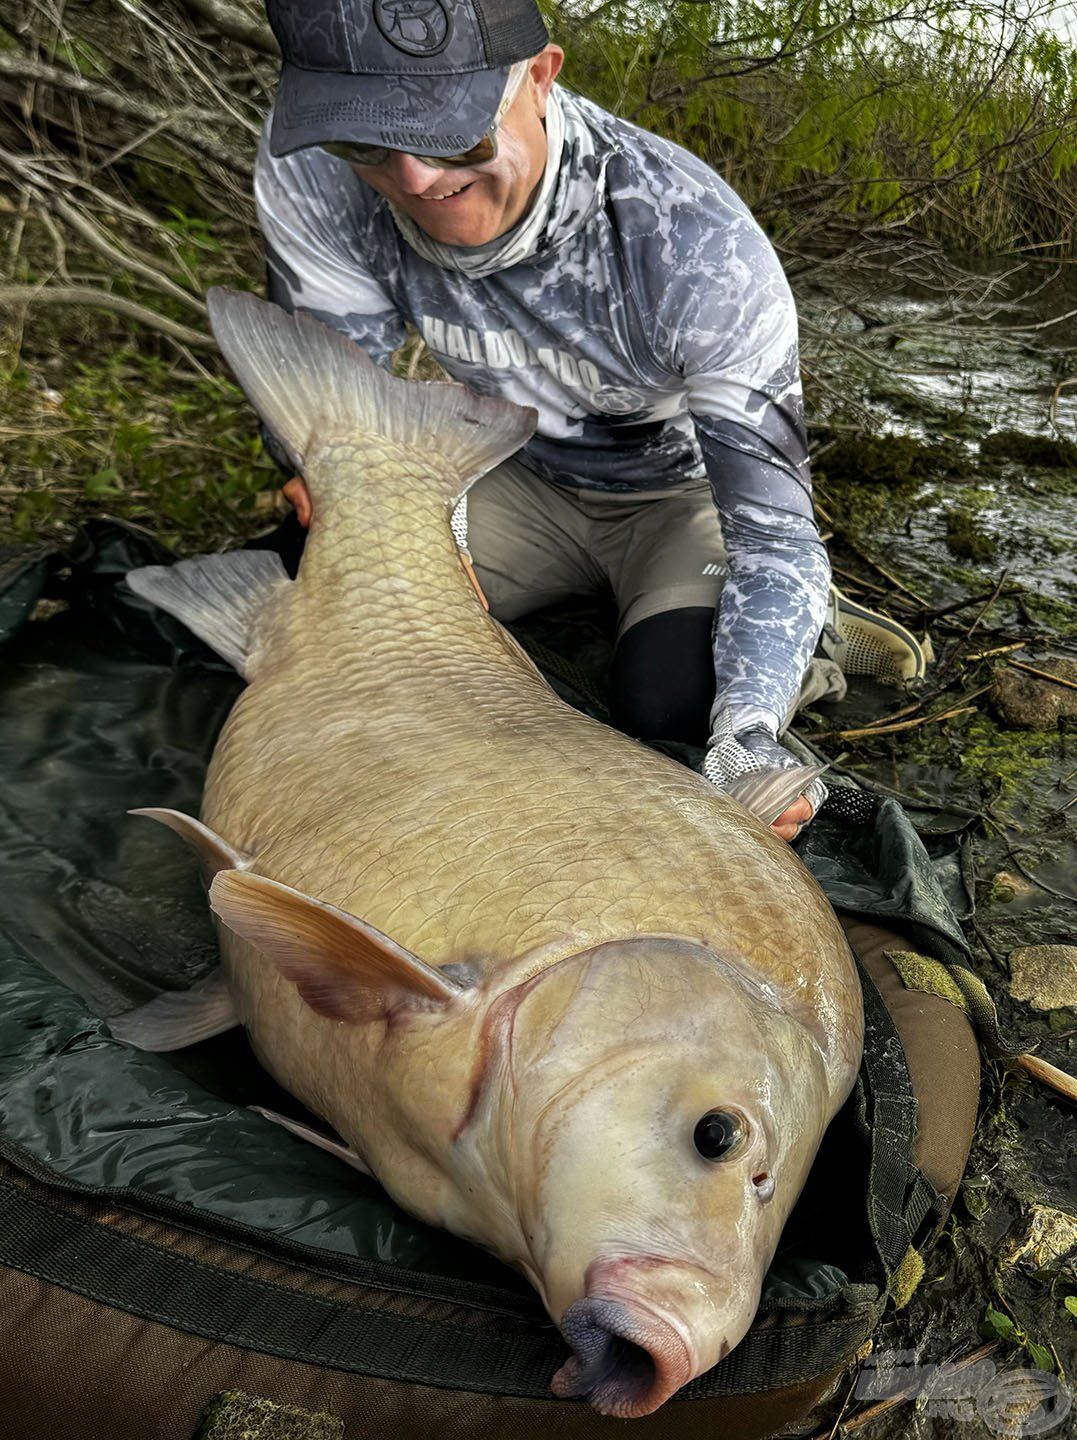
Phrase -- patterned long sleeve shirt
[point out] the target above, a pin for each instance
(643, 313)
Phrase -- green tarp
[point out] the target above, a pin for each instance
(106, 705)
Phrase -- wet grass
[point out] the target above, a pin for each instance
(141, 437)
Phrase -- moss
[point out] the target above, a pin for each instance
(960, 575)
(1057, 615)
(966, 538)
(1040, 452)
(1002, 759)
(893, 460)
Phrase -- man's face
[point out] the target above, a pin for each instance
(473, 205)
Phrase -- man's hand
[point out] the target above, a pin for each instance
(787, 826)
(733, 756)
(296, 491)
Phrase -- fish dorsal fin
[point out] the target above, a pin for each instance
(344, 969)
(311, 384)
(769, 793)
(215, 854)
(218, 597)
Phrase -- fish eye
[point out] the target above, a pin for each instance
(718, 1133)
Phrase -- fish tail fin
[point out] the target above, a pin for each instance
(312, 385)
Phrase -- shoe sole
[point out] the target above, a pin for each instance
(862, 650)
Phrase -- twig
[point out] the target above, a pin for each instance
(233, 22)
(997, 650)
(902, 1397)
(964, 604)
(892, 728)
(899, 584)
(986, 943)
(865, 584)
(1048, 1074)
(1042, 884)
(951, 659)
(17, 65)
(107, 247)
(1043, 674)
(11, 295)
(1062, 385)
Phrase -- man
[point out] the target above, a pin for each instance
(421, 165)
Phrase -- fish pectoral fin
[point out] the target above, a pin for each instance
(343, 968)
(769, 793)
(215, 854)
(218, 597)
(315, 1137)
(179, 1018)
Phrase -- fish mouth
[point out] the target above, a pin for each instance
(626, 1363)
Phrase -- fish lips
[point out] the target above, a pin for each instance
(627, 1362)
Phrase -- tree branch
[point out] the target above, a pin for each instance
(12, 295)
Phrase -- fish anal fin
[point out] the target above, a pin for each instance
(314, 1137)
(343, 968)
(178, 1018)
(214, 853)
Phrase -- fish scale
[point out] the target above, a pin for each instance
(509, 954)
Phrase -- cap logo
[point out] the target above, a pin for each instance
(417, 27)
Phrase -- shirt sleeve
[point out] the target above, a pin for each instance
(319, 237)
(735, 341)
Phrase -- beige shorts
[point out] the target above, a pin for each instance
(533, 543)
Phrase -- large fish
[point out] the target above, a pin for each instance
(554, 990)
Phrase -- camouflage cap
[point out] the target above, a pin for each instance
(420, 75)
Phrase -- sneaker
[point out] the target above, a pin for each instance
(863, 642)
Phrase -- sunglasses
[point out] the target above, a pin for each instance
(484, 150)
(480, 153)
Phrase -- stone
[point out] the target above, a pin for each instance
(1005, 887)
(1044, 975)
(1049, 1239)
(1025, 702)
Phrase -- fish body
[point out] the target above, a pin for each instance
(520, 962)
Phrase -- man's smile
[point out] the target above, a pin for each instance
(449, 194)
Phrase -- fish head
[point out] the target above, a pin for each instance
(657, 1112)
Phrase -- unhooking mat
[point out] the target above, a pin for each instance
(105, 705)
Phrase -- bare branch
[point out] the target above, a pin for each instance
(237, 24)
(15, 295)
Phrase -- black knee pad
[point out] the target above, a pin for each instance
(288, 540)
(662, 677)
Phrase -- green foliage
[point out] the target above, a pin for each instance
(959, 119)
(143, 438)
(997, 1325)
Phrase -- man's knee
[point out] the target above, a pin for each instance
(662, 677)
(288, 540)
